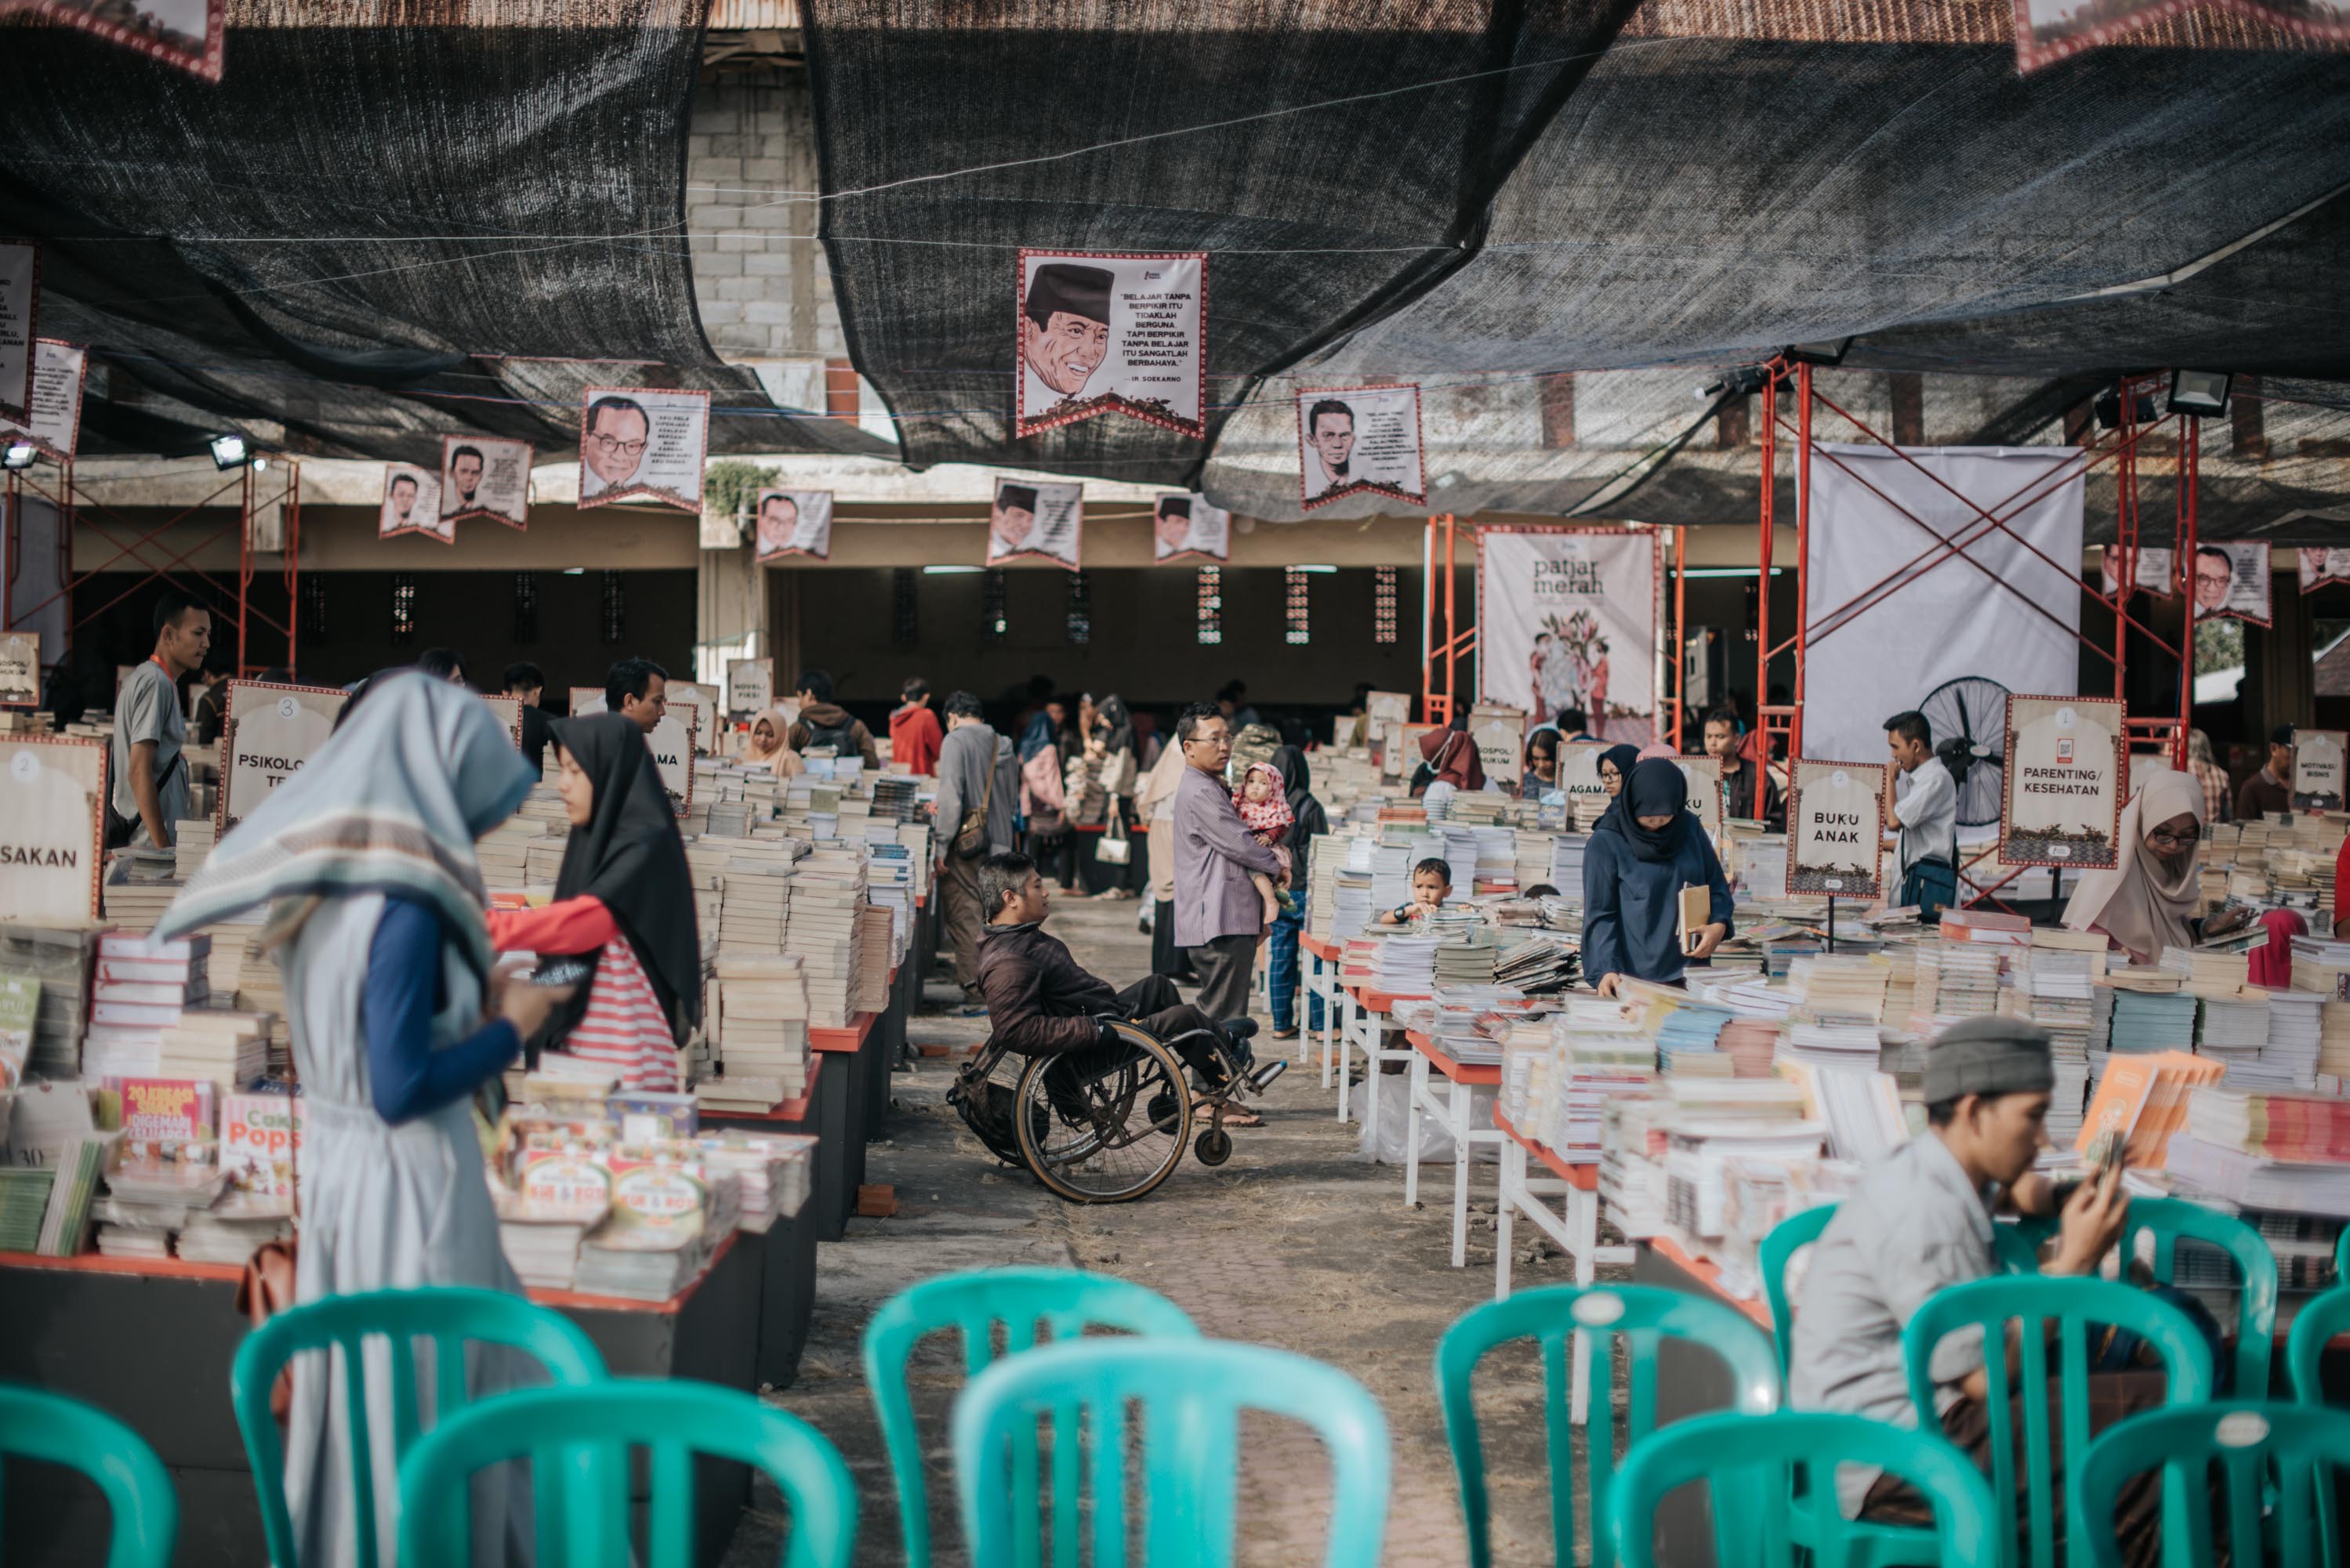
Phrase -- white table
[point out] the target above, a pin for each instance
(1574, 1226)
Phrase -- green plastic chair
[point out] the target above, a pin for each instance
(2341, 1257)
(2068, 1306)
(2276, 1461)
(578, 1439)
(58, 1430)
(1035, 1306)
(2315, 1327)
(2167, 1219)
(451, 1317)
(1746, 1462)
(2013, 1246)
(1188, 1396)
(1645, 1315)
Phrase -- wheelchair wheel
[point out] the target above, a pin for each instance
(1087, 1125)
(985, 1093)
(1215, 1147)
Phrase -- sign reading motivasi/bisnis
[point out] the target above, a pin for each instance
(1836, 824)
(2062, 790)
(52, 828)
(2317, 770)
(20, 668)
(272, 731)
(672, 742)
(1104, 333)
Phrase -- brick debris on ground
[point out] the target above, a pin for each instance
(1294, 1244)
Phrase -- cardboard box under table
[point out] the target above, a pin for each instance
(150, 1341)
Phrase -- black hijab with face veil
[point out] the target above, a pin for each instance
(630, 857)
(1656, 788)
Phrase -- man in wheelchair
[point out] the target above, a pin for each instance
(1042, 1002)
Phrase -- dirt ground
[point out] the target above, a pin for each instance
(1295, 1243)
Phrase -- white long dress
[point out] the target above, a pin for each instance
(382, 1207)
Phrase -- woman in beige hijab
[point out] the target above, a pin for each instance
(2145, 903)
(769, 745)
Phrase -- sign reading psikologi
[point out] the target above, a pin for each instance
(271, 732)
(1112, 332)
(1835, 826)
(52, 828)
(484, 476)
(1353, 441)
(2062, 789)
(643, 443)
(2317, 769)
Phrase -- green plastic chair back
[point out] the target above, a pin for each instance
(2315, 1327)
(2341, 1257)
(1643, 1314)
(451, 1317)
(2276, 1460)
(2014, 1246)
(1185, 1397)
(578, 1439)
(56, 1429)
(2041, 1305)
(1033, 1306)
(1746, 1461)
(2167, 1219)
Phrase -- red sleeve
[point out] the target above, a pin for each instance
(2342, 884)
(578, 925)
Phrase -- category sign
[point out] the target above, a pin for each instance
(509, 713)
(641, 442)
(1186, 528)
(1579, 774)
(55, 424)
(411, 505)
(484, 476)
(1705, 795)
(1835, 825)
(2061, 802)
(20, 301)
(20, 670)
(671, 741)
(271, 732)
(1112, 332)
(1354, 440)
(2317, 769)
(795, 522)
(1500, 734)
(707, 703)
(52, 828)
(1035, 521)
(750, 685)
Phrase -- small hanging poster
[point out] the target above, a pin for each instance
(641, 442)
(411, 505)
(2319, 567)
(20, 668)
(2062, 786)
(2049, 30)
(1835, 825)
(54, 427)
(20, 304)
(2151, 569)
(271, 731)
(1186, 528)
(183, 33)
(2317, 769)
(2231, 581)
(1040, 522)
(1104, 333)
(52, 796)
(795, 522)
(484, 476)
(1359, 440)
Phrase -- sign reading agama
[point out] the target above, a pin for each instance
(671, 741)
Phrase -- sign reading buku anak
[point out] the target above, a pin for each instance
(272, 731)
(1835, 825)
(2062, 792)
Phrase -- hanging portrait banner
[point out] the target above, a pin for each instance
(642, 443)
(55, 425)
(484, 476)
(671, 742)
(1836, 821)
(1567, 617)
(2317, 769)
(1353, 441)
(509, 713)
(750, 685)
(411, 505)
(708, 703)
(2319, 567)
(795, 522)
(1500, 735)
(1036, 522)
(271, 731)
(2050, 30)
(2231, 581)
(1186, 528)
(183, 33)
(2154, 572)
(20, 306)
(1102, 333)
(2060, 791)
(52, 828)
(1705, 797)
(20, 668)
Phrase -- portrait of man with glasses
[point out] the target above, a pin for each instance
(612, 444)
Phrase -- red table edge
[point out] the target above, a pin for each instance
(1326, 952)
(1710, 1274)
(783, 1110)
(848, 1039)
(580, 1301)
(1382, 1001)
(1585, 1177)
(1459, 1072)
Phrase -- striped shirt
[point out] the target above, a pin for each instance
(623, 1029)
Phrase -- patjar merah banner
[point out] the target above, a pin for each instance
(2063, 782)
(1567, 619)
(272, 731)
(1835, 825)
(642, 443)
(1102, 333)
(1355, 441)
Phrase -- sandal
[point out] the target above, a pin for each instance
(1234, 1116)
(1284, 1034)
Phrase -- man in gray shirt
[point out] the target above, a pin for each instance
(977, 775)
(150, 776)
(1920, 1220)
(1218, 916)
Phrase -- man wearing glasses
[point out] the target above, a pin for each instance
(1219, 918)
(614, 445)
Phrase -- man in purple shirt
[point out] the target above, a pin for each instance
(1219, 918)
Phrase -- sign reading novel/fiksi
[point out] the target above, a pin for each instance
(2061, 792)
(671, 741)
(271, 732)
(2317, 769)
(1835, 825)
(52, 828)
(750, 685)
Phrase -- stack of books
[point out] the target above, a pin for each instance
(773, 1169)
(141, 987)
(24, 1202)
(213, 1236)
(220, 1047)
(192, 846)
(828, 891)
(873, 964)
(760, 1026)
(63, 959)
(757, 897)
(139, 886)
(503, 853)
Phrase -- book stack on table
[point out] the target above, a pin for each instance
(760, 1031)
(827, 892)
(775, 1171)
(142, 987)
(63, 959)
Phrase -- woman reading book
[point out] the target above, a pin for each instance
(1645, 851)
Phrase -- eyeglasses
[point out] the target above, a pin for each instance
(2161, 836)
(609, 445)
(1209, 740)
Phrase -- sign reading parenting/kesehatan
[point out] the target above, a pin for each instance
(1835, 825)
(52, 828)
(1354, 440)
(641, 442)
(55, 425)
(272, 731)
(20, 668)
(484, 476)
(2061, 788)
(671, 742)
(1103, 333)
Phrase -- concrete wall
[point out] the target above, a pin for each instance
(764, 292)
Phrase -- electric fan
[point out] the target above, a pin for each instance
(1969, 720)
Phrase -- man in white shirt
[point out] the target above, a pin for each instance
(1926, 805)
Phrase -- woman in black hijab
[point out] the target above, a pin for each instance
(1282, 967)
(623, 896)
(1646, 849)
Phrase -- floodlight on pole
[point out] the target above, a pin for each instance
(1829, 352)
(229, 449)
(18, 455)
(2203, 394)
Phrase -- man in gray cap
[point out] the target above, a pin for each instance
(1922, 1220)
